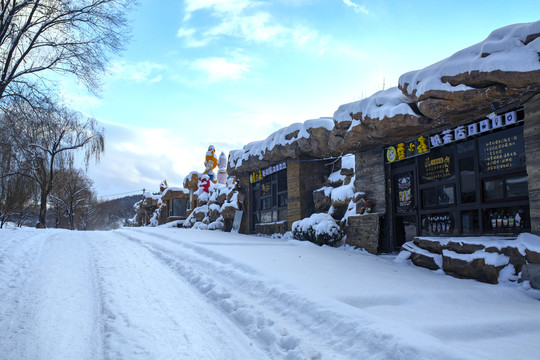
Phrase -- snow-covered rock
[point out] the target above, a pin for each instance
(501, 70)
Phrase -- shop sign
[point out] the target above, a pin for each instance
(404, 184)
(502, 151)
(405, 150)
(464, 131)
(437, 165)
(259, 175)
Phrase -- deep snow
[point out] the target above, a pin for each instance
(168, 293)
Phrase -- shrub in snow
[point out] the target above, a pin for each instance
(320, 229)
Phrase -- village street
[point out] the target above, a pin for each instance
(167, 293)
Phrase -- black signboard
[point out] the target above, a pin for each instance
(437, 165)
(502, 150)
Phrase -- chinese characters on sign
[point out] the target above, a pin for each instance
(407, 150)
(502, 152)
(437, 165)
(437, 169)
(259, 175)
(465, 131)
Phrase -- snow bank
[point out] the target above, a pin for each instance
(282, 137)
(510, 48)
(382, 104)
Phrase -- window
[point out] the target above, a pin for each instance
(516, 186)
(178, 207)
(493, 189)
(439, 196)
(470, 223)
(467, 179)
(270, 197)
(505, 188)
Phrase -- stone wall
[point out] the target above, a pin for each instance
(303, 177)
(472, 258)
(272, 228)
(294, 201)
(246, 225)
(531, 132)
(363, 232)
(370, 177)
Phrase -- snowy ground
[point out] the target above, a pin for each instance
(165, 293)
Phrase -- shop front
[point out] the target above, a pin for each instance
(466, 180)
(269, 198)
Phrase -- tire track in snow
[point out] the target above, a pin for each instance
(18, 259)
(150, 313)
(284, 322)
(55, 316)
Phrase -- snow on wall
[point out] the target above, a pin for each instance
(504, 49)
(385, 103)
(347, 161)
(258, 148)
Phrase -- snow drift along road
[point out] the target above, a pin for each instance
(165, 293)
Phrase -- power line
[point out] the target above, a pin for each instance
(126, 193)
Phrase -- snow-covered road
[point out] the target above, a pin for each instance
(166, 293)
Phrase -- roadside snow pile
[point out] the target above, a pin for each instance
(320, 229)
(511, 48)
(382, 104)
(284, 136)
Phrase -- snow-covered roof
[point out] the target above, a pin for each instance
(185, 191)
(511, 48)
(284, 136)
(383, 104)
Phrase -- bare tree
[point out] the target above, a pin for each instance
(71, 193)
(45, 139)
(64, 36)
(16, 191)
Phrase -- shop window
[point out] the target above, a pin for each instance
(493, 189)
(467, 179)
(271, 198)
(178, 207)
(505, 188)
(282, 181)
(516, 186)
(266, 203)
(282, 199)
(470, 223)
(506, 219)
(439, 196)
(438, 224)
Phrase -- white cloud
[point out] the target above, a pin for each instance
(139, 72)
(219, 68)
(356, 7)
(239, 19)
(143, 157)
(220, 6)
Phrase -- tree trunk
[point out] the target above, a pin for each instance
(42, 222)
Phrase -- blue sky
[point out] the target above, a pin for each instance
(228, 72)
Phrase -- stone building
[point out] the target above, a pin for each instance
(453, 151)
